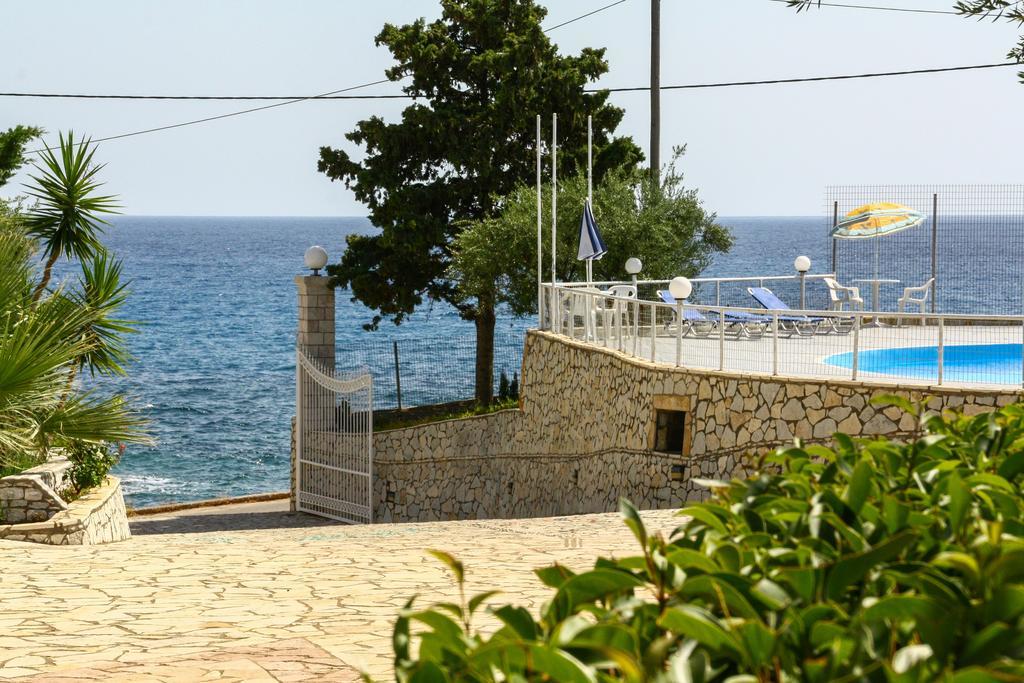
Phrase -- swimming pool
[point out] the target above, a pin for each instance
(987, 363)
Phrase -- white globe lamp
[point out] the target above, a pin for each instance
(315, 259)
(680, 288)
(802, 264)
(633, 265)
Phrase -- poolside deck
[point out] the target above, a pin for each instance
(806, 356)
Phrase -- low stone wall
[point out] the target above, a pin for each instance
(31, 496)
(584, 436)
(96, 517)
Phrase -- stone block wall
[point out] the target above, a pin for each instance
(31, 496)
(583, 437)
(98, 516)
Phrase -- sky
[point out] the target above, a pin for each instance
(763, 150)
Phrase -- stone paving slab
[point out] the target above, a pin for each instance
(248, 598)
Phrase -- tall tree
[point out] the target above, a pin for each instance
(12, 149)
(479, 75)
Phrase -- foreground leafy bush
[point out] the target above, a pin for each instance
(871, 561)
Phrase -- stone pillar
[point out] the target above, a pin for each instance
(315, 336)
(316, 318)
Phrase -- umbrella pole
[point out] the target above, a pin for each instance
(590, 188)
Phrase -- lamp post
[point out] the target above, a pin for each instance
(680, 288)
(315, 259)
(633, 268)
(802, 264)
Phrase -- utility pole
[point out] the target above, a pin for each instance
(655, 90)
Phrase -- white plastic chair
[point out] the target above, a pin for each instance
(579, 303)
(607, 308)
(840, 296)
(915, 296)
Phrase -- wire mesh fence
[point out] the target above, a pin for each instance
(418, 371)
(970, 240)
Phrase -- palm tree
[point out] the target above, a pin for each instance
(41, 343)
(65, 216)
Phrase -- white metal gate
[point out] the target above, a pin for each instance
(333, 441)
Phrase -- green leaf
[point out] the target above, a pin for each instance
(691, 559)
(771, 594)
(894, 400)
(701, 514)
(702, 626)
(479, 598)
(454, 565)
(519, 620)
(853, 568)
(554, 576)
(860, 485)
(903, 608)
(959, 501)
(1012, 466)
(633, 521)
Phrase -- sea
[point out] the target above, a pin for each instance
(213, 367)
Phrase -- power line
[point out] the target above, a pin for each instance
(881, 8)
(292, 99)
(228, 115)
(584, 16)
(809, 79)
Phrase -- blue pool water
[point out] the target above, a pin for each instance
(985, 363)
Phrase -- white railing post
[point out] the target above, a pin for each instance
(775, 343)
(636, 323)
(654, 330)
(856, 345)
(941, 348)
(718, 293)
(721, 339)
(679, 333)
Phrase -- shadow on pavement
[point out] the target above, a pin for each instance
(226, 521)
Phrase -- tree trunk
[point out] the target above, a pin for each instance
(484, 321)
(46, 276)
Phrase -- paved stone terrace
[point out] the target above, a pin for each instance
(253, 593)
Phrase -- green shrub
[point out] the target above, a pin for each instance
(90, 464)
(870, 561)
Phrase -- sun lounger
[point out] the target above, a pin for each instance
(701, 324)
(803, 325)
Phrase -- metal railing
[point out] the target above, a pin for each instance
(887, 347)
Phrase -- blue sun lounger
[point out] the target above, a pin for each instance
(702, 325)
(804, 325)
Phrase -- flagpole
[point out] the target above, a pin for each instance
(590, 188)
(540, 246)
(554, 206)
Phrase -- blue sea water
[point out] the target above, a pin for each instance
(214, 358)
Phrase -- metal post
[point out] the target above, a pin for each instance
(721, 340)
(856, 345)
(941, 349)
(554, 205)
(803, 287)
(540, 246)
(654, 330)
(679, 333)
(775, 343)
(636, 313)
(655, 91)
(835, 222)
(398, 374)
(935, 244)
(718, 293)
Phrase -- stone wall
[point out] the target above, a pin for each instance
(32, 495)
(96, 517)
(584, 435)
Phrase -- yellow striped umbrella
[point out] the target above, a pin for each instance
(877, 220)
